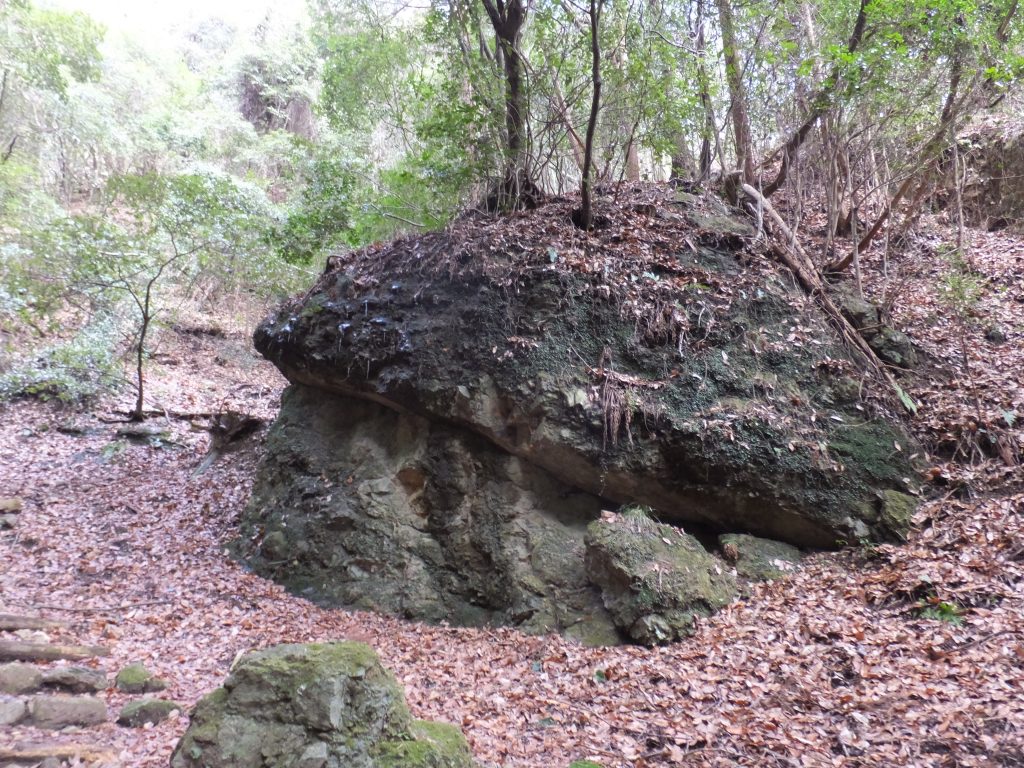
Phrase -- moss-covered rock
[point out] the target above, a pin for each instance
(896, 510)
(431, 745)
(654, 578)
(136, 714)
(135, 678)
(314, 706)
(758, 559)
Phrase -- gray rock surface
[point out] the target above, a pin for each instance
(18, 678)
(11, 710)
(759, 559)
(58, 711)
(314, 706)
(75, 679)
(421, 520)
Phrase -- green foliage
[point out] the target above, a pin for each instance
(940, 610)
(322, 216)
(47, 48)
(70, 371)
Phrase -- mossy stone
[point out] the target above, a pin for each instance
(136, 714)
(897, 510)
(584, 764)
(135, 678)
(654, 579)
(758, 559)
(314, 706)
(433, 745)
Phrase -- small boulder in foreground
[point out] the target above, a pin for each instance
(314, 706)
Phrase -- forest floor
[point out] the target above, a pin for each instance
(884, 655)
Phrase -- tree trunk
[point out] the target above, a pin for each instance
(737, 94)
(585, 219)
(508, 18)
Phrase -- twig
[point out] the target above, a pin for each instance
(984, 639)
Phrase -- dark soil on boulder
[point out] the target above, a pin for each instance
(465, 403)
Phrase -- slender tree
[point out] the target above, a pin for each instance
(585, 217)
(508, 17)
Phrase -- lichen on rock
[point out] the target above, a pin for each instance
(314, 706)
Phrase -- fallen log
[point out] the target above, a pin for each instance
(15, 651)
(11, 621)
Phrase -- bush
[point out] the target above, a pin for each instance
(72, 371)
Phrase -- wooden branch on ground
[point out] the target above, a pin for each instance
(797, 260)
(16, 651)
(10, 622)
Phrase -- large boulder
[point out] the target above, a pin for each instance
(464, 404)
(314, 706)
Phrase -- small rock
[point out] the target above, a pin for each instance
(75, 679)
(11, 710)
(62, 711)
(135, 678)
(8, 522)
(654, 579)
(894, 347)
(52, 762)
(11, 505)
(995, 334)
(758, 559)
(19, 678)
(136, 714)
(861, 314)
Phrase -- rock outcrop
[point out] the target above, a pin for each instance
(314, 706)
(464, 404)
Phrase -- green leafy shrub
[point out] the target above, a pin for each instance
(71, 371)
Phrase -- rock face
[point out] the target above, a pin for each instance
(464, 405)
(314, 706)
(421, 520)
